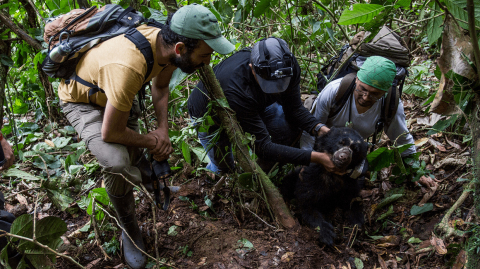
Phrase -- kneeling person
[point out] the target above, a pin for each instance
(363, 108)
(262, 85)
(108, 120)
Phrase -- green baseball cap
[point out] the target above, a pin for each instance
(377, 72)
(198, 22)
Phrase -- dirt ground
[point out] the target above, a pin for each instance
(214, 241)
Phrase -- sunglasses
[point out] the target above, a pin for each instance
(373, 97)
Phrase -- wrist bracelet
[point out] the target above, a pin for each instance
(318, 127)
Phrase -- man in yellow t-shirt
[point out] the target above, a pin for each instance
(107, 120)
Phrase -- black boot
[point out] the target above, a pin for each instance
(125, 207)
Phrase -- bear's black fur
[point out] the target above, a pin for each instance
(319, 192)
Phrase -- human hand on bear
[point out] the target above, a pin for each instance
(325, 159)
(323, 131)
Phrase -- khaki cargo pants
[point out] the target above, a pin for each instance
(113, 158)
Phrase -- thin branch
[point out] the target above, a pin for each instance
(271, 226)
(5, 19)
(97, 237)
(154, 213)
(44, 247)
(141, 250)
(36, 10)
(333, 18)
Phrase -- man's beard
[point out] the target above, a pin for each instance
(185, 63)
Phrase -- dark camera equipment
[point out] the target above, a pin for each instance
(274, 69)
(161, 170)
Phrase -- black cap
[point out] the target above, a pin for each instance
(273, 64)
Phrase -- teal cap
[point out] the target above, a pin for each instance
(377, 72)
(198, 22)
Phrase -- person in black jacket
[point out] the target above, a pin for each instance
(262, 86)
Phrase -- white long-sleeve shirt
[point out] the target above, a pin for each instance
(363, 123)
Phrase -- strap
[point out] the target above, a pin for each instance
(152, 22)
(144, 46)
(129, 9)
(266, 54)
(146, 49)
(379, 125)
(93, 88)
(347, 85)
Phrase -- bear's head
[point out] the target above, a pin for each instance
(345, 145)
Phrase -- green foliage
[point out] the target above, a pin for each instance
(47, 232)
(417, 210)
(98, 195)
(361, 13)
(434, 27)
(458, 9)
(384, 157)
(112, 247)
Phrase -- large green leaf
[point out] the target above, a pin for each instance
(177, 77)
(99, 194)
(417, 90)
(403, 3)
(5, 60)
(416, 210)
(186, 152)
(458, 9)
(361, 13)
(48, 231)
(201, 154)
(379, 159)
(19, 107)
(22, 226)
(61, 142)
(389, 200)
(14, 172)
(261, 7)
(434, 27)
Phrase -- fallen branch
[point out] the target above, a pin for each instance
(44, 247)
(443, 225)
(97, 238)
(133, 242)
(273, 227)
(154, 213)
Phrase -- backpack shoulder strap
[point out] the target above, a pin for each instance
(347, 85)
(391, 105)
(144, 46)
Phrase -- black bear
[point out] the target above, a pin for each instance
(319, 192)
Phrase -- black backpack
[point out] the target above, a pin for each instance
(71, 35)
(386, 44)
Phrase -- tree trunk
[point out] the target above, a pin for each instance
(47, 86)
(83, 4)
(473, 257)
(170, 5)
(135, 4)
(5, 19)
(4, 50)
(236, 136)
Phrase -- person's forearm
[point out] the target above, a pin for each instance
(129, 137)
(160, 104)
